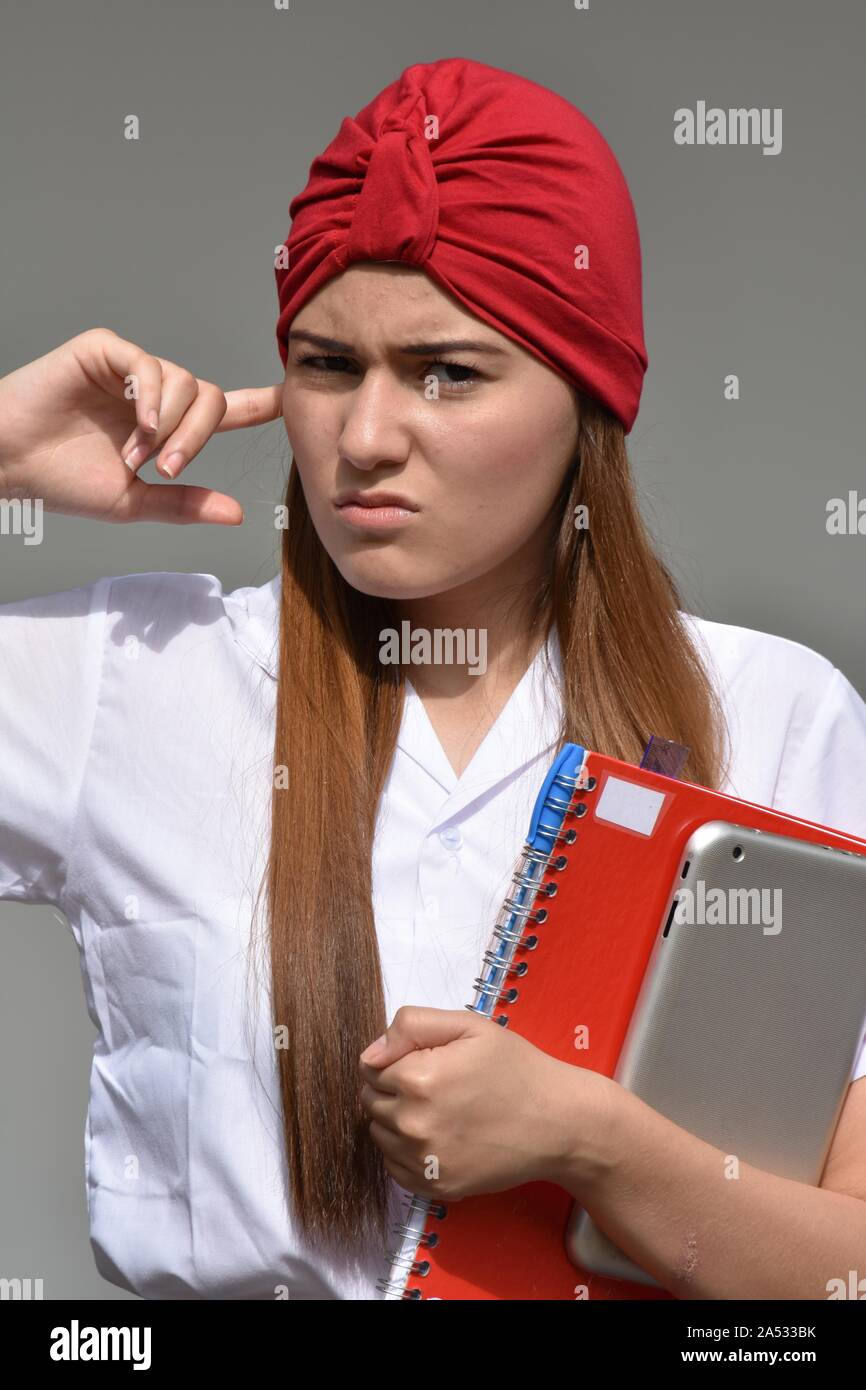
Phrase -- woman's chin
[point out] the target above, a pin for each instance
(392, 578)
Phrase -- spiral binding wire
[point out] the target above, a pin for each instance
(517, 910)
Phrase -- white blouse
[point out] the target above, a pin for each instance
(136, 726)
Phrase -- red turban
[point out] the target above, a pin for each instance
(506, 196)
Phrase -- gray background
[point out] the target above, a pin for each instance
(752, 264)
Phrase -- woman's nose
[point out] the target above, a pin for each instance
(376, 424)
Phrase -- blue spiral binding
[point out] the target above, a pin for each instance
(545, 827)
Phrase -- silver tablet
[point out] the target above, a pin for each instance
(751, 1011)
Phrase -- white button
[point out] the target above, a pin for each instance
(451, 837)
(431, 906)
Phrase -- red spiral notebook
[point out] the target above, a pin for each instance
(572, 941)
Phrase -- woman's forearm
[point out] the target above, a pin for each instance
(665, 1198)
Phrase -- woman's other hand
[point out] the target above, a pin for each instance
(460, 1106)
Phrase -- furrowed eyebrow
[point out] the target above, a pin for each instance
(414, 349)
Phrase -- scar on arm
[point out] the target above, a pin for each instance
(689, 1262)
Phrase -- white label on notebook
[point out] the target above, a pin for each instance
(629, 805)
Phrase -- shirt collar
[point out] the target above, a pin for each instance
(526, 727)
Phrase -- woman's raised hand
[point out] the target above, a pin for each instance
(77, 425)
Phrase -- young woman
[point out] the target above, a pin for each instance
(251, 815)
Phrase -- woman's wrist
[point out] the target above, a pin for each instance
(585, 1134)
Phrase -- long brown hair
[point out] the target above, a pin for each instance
(629, 671)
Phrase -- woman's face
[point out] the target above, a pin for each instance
(472, 442)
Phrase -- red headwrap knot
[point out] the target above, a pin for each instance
(396, 215)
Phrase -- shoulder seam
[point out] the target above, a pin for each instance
(782, 778)
(759, 633)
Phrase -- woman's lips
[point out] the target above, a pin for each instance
(373, 518)
(374, 510)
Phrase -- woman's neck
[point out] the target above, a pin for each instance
(476, 640)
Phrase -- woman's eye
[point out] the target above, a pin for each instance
(312, 360)
(461, 377)
(463, 381)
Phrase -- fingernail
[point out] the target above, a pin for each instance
(153, 419)
(374, 1049)
(172, 464)
(135, 455)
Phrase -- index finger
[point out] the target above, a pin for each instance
(251, 405)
